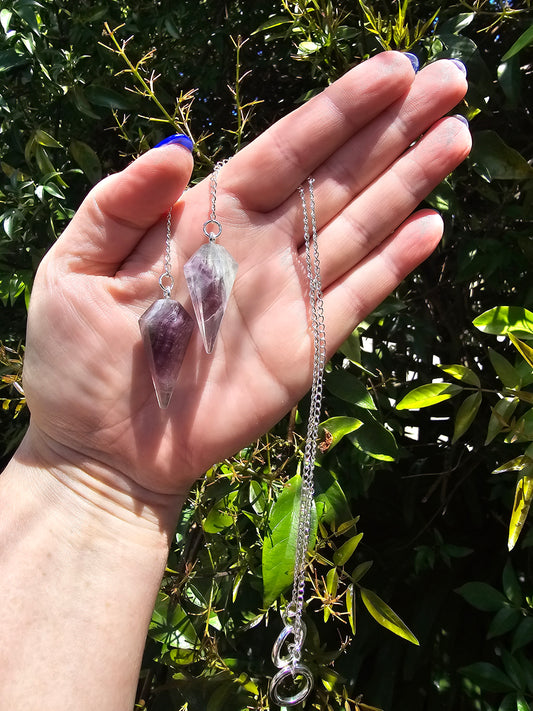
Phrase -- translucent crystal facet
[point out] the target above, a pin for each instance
(166, 329)
(210, 274)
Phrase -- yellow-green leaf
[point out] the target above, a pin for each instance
(427, 395)
(461, 372)
(386, 617)
(501, 414)
(525, 351)
(522, 502)
(466, 414)
(503, 320)
(350, 606)
(333, 430)
(343, 554)
(504, 370)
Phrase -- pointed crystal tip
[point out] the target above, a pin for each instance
(210, 274)
(166, 329)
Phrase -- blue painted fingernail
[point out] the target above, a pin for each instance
(461, 118)
(180, 138)
(459, 64)
(413, 59)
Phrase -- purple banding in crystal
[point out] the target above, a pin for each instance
(210, 274)
(166, 329)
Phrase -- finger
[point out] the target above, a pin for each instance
(436, 90)
(117, 212)
(265, 173)
(360, 291)
(387, 202)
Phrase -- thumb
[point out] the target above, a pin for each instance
(121, 208)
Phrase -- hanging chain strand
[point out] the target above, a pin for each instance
(289, 666)
(166, 280)
(213, 185)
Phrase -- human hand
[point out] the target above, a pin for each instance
(86, 377)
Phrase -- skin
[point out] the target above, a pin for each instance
(91, 497)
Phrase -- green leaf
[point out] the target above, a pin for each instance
(514, 465)
(503, 320)
(375, 440)
(330, 500)
(171, 625)
(482, 596)
(9, 59)
(504, 621)
(458, 23)
(466, 414)
(219, 517)
(525, 39)
(350, 607)
(45, 139)
(504, 370)
(501, 414)
(108, 98)
(349, 388)
(522, 502)
(361, 570)
(511, 586)
(523, 635)
(521, 704)
(488, 677)
(87, 160)
(343, 554)
(493, 159)
(386, 617)
(427, 395)
(333, 430)
(272, 22)
(461, 372)
(279, 545)
(525, 351)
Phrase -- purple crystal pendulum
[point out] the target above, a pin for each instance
(210, 274)
(166, 329)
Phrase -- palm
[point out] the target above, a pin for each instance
(103, 274)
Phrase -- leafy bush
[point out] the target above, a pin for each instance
(76, 103)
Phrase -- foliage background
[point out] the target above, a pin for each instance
(434, 517)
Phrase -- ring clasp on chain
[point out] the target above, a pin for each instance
(211, 236)
(300, 676)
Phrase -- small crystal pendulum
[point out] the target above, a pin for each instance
(166, 329)
(210, 274)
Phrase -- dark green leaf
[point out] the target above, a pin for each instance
(272, 22)
(386, 617)
(466, 414)
(349, 388)
(331, 504)
(523, 635)
(511, 586)
(504, 621)
(525, 39)
(504, 370)
(500, 417)
(488, 677)
(493, 159)
(482, 596)
(108, 98)
(171, 625)
(87, 160)
(456, 24)
(375, 440)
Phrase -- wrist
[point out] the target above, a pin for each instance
(82, 488)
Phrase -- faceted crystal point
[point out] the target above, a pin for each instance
(210, 274)
(166, 329)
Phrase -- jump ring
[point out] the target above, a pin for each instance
(167, 288)
(277, 680)
(212, 235)
(299, 639)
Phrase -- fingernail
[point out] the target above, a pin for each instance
(180, 138)
(459, 64)
(413, 59)
(461, 118)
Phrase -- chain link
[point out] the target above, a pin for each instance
(213, 185)
(166, 280)
(294, 625)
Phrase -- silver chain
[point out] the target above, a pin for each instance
(289, 665)
(166, 280)
(213, 184)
